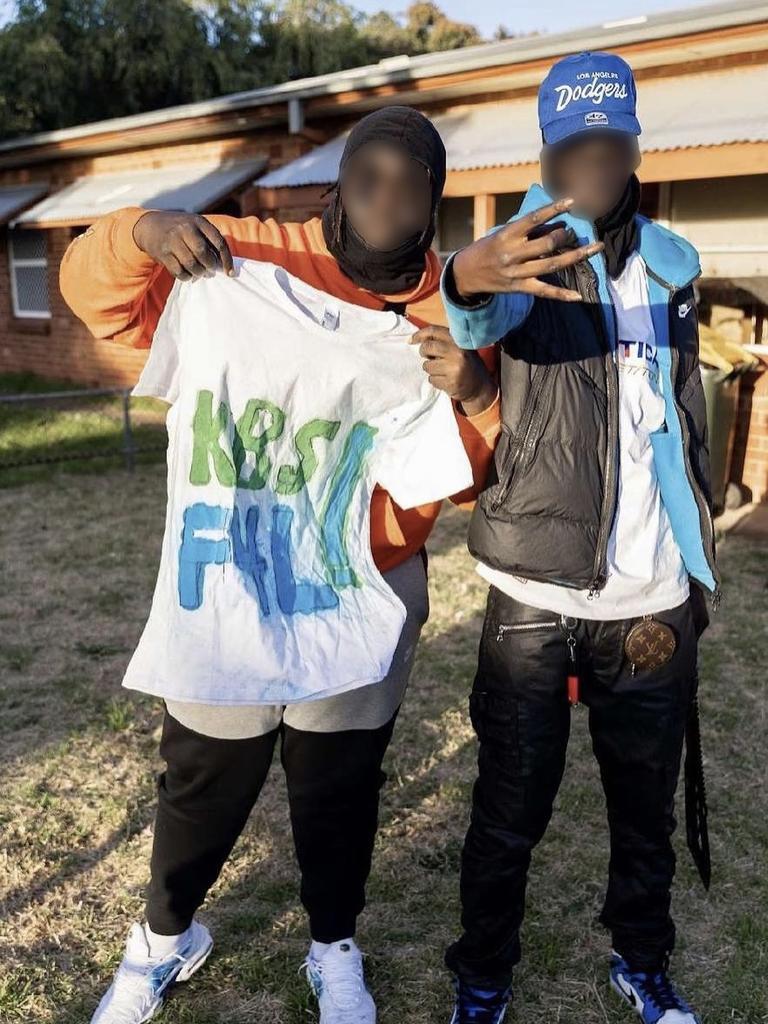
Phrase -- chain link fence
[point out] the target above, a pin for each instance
(79, 428)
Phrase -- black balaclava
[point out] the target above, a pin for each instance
(395, 270)
(617, 229)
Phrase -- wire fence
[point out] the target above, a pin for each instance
(38, 429)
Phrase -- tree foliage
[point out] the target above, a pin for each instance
(65, 62)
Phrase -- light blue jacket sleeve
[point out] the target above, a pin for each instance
(485, 323)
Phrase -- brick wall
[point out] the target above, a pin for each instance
(749, 465)
(60, 347)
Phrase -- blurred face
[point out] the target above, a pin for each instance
(386, 195)
(594, 169)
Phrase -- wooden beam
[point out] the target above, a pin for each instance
(485, 214)
(705, 162)
(698, 162)
(491, 180)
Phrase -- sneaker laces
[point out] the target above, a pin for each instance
(342, 979)
(479, 1005)
(131, 980)
(660, 988)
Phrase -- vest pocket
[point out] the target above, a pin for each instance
(521, 443)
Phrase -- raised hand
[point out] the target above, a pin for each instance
(513, 258)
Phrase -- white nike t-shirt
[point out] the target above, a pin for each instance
(646, 573)
(287, 407)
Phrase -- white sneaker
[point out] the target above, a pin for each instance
(142, 982)
(337, 980)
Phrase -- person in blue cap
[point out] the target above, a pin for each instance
(595, 534)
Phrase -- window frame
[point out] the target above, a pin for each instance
(13, 263)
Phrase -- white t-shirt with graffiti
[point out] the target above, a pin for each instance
(646, 572)
(287, 407)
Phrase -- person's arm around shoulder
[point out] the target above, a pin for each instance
(489, 287)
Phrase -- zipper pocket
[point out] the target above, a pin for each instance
(523, 627)
(521, 442)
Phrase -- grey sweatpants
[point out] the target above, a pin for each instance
(367, 707)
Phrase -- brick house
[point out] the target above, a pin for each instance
(702, 80)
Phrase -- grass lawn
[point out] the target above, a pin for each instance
(85, 432)
(79, 756)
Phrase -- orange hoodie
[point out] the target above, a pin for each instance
(119, 293)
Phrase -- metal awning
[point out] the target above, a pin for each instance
(194, 188)
(709, 109)
(14, 198)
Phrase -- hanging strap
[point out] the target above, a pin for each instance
(696, 796)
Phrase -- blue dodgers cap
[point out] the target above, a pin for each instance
(587, 90)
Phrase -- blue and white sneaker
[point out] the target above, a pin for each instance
(337, 980)
(480, 1005)
(142, 982)
(651, 995)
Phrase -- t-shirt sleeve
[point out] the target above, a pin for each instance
(425, 459)
(160, 376)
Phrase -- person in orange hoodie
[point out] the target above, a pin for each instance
(371, 247)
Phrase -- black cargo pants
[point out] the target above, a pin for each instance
(521, 714)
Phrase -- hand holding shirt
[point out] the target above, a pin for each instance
(288, 406)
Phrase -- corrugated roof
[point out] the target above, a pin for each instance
(710, 109)
(16, 197)
(194, 188)
(609, 35)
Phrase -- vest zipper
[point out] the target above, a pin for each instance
(701, 501)
(533, 399)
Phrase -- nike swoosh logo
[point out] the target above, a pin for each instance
(684, 309)
(628, 991)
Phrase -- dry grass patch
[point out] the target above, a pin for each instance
(79, 756)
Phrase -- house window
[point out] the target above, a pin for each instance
(455, 224)
(28, 267)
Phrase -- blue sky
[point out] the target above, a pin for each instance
(544, 15)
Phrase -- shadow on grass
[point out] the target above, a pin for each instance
(268, 892)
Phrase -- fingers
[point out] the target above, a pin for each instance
(219, 245)
(435, 348)
(435, 343)
(175, 268)
(544, 265)
(196, 249)
(441, 383)
(532, 286)
(558, 238)
(526, 224)
(432, 332)
(544, 229)
(191, 250)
